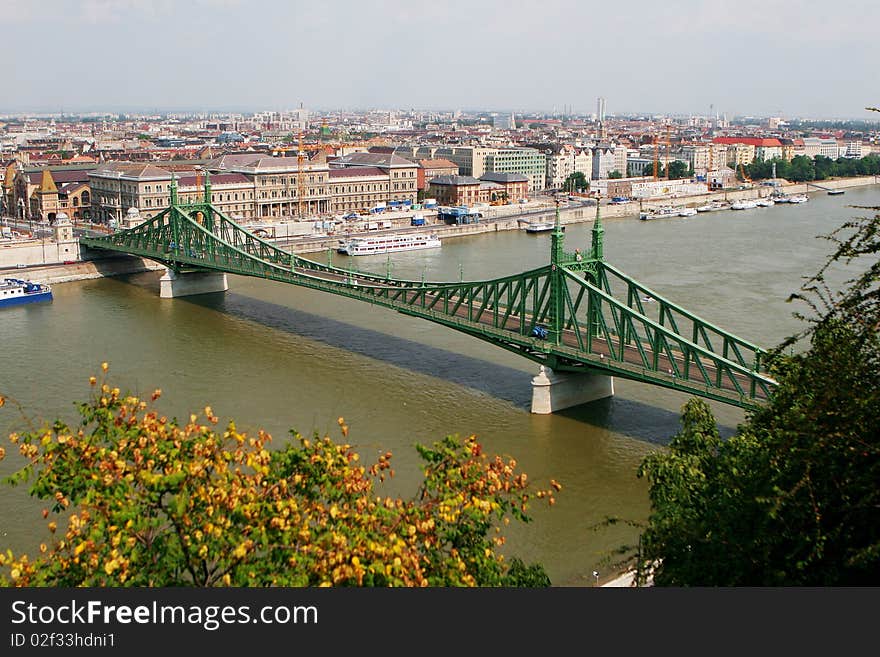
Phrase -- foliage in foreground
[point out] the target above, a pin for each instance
(792, 499)
(149, 501)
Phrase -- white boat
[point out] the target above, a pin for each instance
(745, 204)
(800, 198)
(14, 291)
(764, 202)
(687, 212)
(540, 226)
(387, 244)
(781, 198)
(659, 213)
(712, 207)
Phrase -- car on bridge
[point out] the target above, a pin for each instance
(540, 332)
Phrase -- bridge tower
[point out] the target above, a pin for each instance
(177, 280)
(555, 390)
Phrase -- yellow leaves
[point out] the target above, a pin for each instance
(334, 511)
(15, 573)
(104, 367)
(227, 580)
(156, 394)
(3, 401)
(53, 526)
(2, 453)
(556, 485)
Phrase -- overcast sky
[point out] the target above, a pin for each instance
(744, 57)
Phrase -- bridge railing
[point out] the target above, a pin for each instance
(679, 320)
(605, 323)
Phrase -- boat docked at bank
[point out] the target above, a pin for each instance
(15, 291)
(799, 198)
(745, 204)
(687, 212)
(540, 226)
(660, 213)
(387, 244)
(765, 202)
(714, 206)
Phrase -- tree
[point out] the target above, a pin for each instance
(156, 502)
(792, 498)
(576, 182)
(615, 174)
(677, 170)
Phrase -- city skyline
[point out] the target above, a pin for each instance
(645, 58)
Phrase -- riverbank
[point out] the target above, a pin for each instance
(498, 219)
(83, 270)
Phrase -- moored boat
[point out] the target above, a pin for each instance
(764, 202)
(659, 213)
(687, 212)
(15, 291)
(744, 204)
(714, 206)
(387, 244)
(800, 198)
(541, 226)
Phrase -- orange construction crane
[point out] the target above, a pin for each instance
(667, 150)
(742, 173)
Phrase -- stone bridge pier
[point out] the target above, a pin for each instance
(554, 391)
(174, 284)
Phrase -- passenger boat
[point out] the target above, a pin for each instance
(659, 213)
(800, 198)
(687, 212)
(765, 202)
(745, 204)
(14, 291)
(387, 244)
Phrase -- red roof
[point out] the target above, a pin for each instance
(751, 141)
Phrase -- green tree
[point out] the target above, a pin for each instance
(576, 182)
(150, 501)
(677, 170)
(801, 169)
(615, 174)
(792, 498)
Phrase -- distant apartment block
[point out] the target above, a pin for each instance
(527, 161)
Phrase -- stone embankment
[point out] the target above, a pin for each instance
(77, 271)
(497, 219)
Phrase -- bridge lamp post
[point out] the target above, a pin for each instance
(596, 575)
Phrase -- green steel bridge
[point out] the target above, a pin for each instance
(576, 314)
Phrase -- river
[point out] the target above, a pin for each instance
(277, 357)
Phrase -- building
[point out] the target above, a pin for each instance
(282, 186)
(402, 173)
(564, 160)
(764, 148)
(505, 186)
(503, 122)
(455, 190)
(603, 161)
(431, 168)
(528, 161)
(39, 194)
(357, 189)
(470, 160)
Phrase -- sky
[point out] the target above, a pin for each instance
(789, 58)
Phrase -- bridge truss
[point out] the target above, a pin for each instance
(576, 314)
